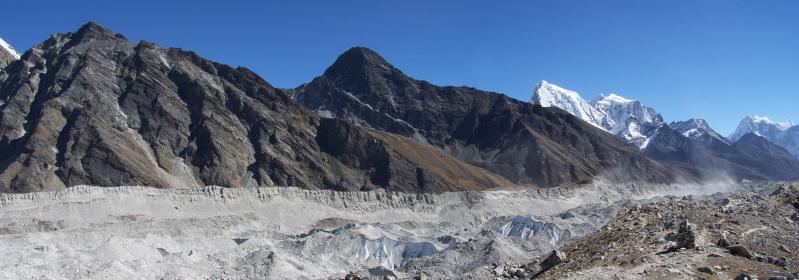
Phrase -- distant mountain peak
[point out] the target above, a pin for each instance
(784, 133)
(760, 125)
(626, 118)
(697, 129)
(357, 60)
(548, 94)
(612, 98)
(764, 119)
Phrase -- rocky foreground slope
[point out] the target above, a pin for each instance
(748, 235)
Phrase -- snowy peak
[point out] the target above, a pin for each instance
(765, 120)
(784, 134)
(7, 54)
(697, 129)
(762, 126)
(550, 95)
(622, 111)
(612, 99)
(5, 47)
(626, 118)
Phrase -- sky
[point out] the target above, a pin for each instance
(717, 60)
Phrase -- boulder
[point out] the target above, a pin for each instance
(706, 269)
(741, 250)
(554, 258)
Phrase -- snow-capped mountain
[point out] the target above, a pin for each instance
(762, 126)
(626, 118)
(785, 133)
(629, 119)
(698, 129)
(550, 95)
(7, 54)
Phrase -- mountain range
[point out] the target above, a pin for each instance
(691, 144)
(91, 107)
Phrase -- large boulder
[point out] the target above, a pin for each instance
(555, 257)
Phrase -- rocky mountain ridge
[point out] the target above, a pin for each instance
(752, 157)
(91, 107)
(691, 144)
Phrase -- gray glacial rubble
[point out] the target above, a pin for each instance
(288, 233)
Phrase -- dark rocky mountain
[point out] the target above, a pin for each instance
(91, 107)
(523, 142)
(752, 157)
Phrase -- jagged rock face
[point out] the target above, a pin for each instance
(523, 142)
(752, 157)
(91, 107)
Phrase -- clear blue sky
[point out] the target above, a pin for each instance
(718, 60)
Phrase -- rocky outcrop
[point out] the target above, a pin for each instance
(91, 107)
(524, 143)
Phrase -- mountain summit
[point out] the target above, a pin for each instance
(698, 129)
(785, 133)
(550, 95)
(628, 119)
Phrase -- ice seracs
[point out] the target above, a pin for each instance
(626, 118)
(784, 134)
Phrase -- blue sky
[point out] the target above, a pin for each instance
(718, 60)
